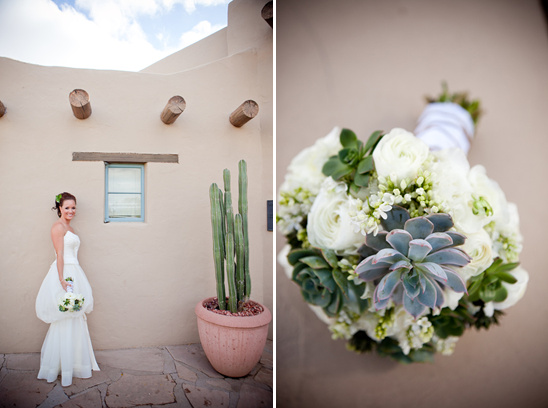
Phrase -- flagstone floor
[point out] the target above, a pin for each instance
(167, 376)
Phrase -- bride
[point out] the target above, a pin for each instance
(67, 347)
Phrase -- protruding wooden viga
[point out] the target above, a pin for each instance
(175, 106)
(268, 13)
(2, 109)
(244, 113)
(79, 102)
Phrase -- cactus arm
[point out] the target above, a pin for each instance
(229, 245)
(223, 225)
(228, 203)
(242, 208)
(232, 293)
(240, 257)
(216, 218)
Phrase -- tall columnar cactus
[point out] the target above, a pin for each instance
(242, 208)
(230, 241)
(215, 196)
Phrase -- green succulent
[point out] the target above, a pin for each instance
(354, 163)
(414, 260)
(488, 286)
(323, 284)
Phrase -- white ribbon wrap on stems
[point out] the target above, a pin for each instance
(443, 125)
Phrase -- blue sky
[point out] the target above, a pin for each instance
(104, 34)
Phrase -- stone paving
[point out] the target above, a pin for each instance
(170, 376)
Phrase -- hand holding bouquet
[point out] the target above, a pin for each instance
(71, 302)
(396, 243)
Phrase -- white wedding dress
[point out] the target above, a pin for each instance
(67, 347)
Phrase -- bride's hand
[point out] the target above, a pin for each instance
(64, 284)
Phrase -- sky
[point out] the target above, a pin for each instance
(126, 35)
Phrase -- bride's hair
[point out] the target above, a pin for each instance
(59, 199)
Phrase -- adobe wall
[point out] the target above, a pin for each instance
(146, 277)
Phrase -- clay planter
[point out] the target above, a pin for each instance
(233, 344)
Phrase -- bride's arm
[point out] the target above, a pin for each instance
(58, 238)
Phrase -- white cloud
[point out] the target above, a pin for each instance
(108, 37)
(199, 31)
(41, 33)
(190, 5)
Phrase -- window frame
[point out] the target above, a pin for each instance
(141, 166)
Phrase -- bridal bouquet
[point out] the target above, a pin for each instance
(70, 302)
(397, 243)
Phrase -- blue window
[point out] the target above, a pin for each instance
(124, 192)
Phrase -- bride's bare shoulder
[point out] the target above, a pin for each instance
(58, 229)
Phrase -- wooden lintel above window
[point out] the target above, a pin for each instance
(125, 157)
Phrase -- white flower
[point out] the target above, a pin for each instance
(320, 314)
(515, 290)
(479, 246)
(282, 260)
(305, 169)
(399, 155)
(445, 346)
(451, 298)
(484, 187)
(453, 190)
(329, 223)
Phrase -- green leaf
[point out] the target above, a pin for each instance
(355, 303)
(326, 279)
(488, 293)
(496, 263)
(349, 156)
(506, 277)
(334, 308)
(355, 188)
(421, 356)
(348, 138)
(294, 256)
(322, 299)
(501, 294)
(373, 140)
(361, 180)
(315, 262)
(334, 168)
(507, 267)
(365, 165)
(341, 281)
(297, 270)
(330, 257)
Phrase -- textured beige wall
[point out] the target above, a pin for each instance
(366, 65)
(146, 277)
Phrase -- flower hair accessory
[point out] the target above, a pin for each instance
(58, 198)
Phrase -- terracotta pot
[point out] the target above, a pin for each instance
(233, 344)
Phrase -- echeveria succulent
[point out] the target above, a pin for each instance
(413, 259)
(322, 283)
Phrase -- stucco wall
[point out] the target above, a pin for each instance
(146, 277)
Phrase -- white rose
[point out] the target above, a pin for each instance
(450, 169)
(515, 290)
(451, 298)
(399, 154)
(305, 169)
(329, 224)
(484, 187)
(282, 260)
(452, 188)
(320, 314)
(510, 226)
(479, 246)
